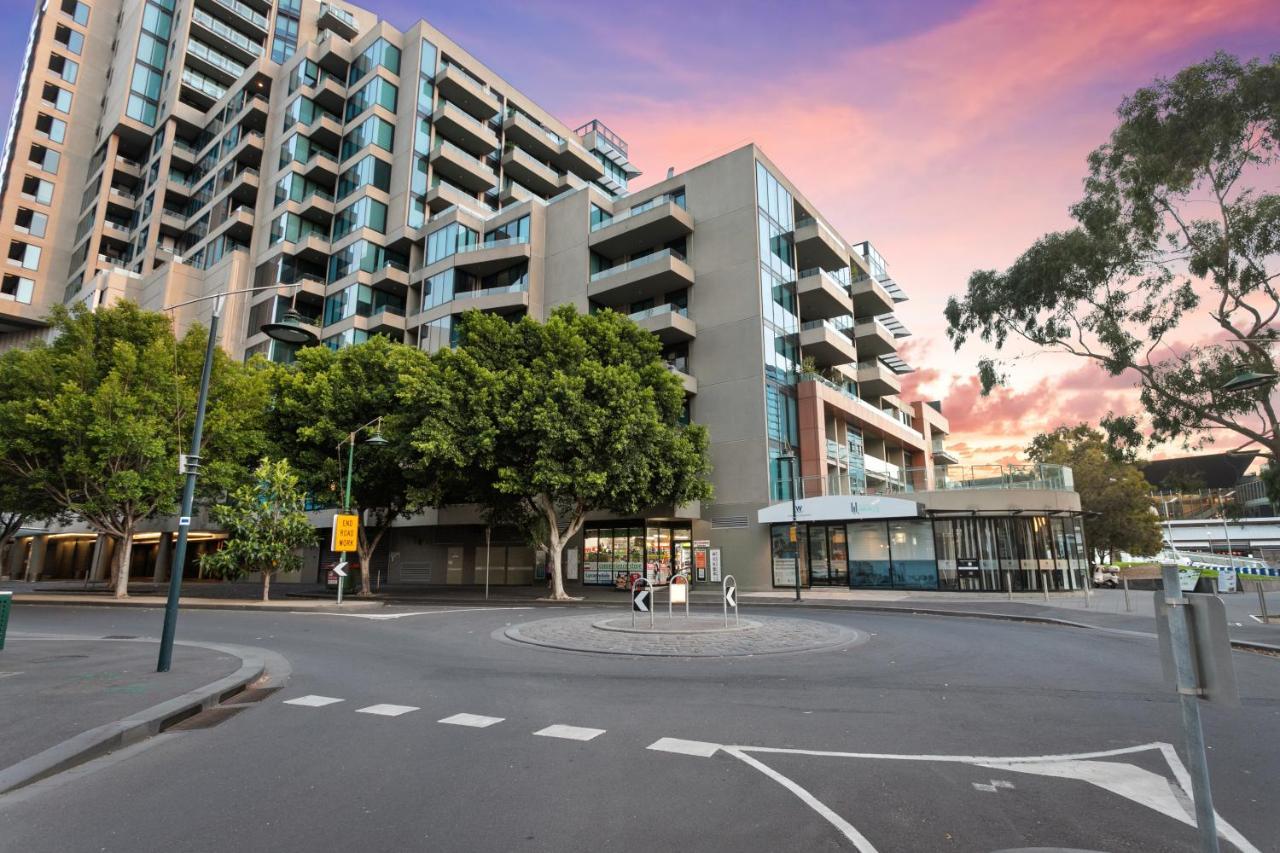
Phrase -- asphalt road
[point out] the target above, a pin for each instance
(932, 735)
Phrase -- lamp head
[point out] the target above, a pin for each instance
(292, 329)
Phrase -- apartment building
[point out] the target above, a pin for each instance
(313, 161)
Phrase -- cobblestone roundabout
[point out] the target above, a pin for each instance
(762, 635)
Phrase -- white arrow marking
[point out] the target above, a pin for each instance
(642, 604)
(732, 596)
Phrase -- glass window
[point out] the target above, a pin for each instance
(377, 91)
(364, 213)
(784, 554)
(54, 128)
(515, 231)
(16, 288)
(371, 131)
(369, 171)
(427, 64)
(912, 554)
(79, 12)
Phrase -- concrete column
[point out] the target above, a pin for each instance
(813, 441)
(35, 565)
(99, 567)
(164, 555)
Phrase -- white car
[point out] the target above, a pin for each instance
(1105, 576)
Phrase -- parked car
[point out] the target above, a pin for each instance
(1106, 576)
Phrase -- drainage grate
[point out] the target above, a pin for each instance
(206, 719)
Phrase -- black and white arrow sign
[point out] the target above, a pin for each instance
(731, 596)
(640, 601)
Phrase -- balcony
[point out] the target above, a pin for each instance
(646, 277)
(238, 224)
(826, 343)
(566, 181)
(870, 417)
(461, 168)
(876, 379)
(521, 166)
(329, 92)
(513, 193)
(531, 136)
(467, 92)
(229, 40)
(819, 246)
(1046, 477)
(310, 247)
(822, 296)
(334, 51)
(321, 168)
(249, 150)
(577, 159)
(172, 223)
(325, 130)
(873, 337)
(244, 187)
(870, 298)
(441, 197)
(317, 205)
(116, 230)
(470, 134)
(184, 154)
(686, 379)
(670, 323)
(497, 300)
(392, 276)
(338, 20)
(652, 223)
(943, 456)
(212, 64)
(485, 258)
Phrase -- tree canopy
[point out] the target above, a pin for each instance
(1177, 232)
(326, 397)
(542, 423)
(267, 525)
(93, 422)
(1114, 495)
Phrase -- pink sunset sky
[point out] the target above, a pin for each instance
(950, 134)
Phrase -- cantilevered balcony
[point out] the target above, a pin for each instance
(645, 277)
(873, 337)
(321, 168)
(460, 128)
(653, 223)
(485, 258)
(339, 20)
(875, 378)
(870, 298)
(443, 196)
(216, 33)
(467, 92)
(573, 157)
(464, 169)
(531, 136)
(686, 379)
(826, 343)
(819, 246)
(822, 296)
(943, 456)
(537, 176)
(310, 247)
(670, 323)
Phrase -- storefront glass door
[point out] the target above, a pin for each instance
(828, 555)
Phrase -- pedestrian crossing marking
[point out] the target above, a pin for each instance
(312, 701)
(699, 748)
(474, 720)
(387, 710)
(569, 732)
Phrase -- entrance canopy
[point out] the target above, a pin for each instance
(841, 508)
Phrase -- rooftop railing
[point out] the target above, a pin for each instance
(870, 475)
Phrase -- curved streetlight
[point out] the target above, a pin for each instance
(1248, 381)
(377, 441)
(289, 330)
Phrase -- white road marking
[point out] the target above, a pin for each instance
(990, 789)
(569, 732)
(382, 617)
(1254, 618)
(387, 710)
(846, 829)
(699, 748)
(1001, 783)
(9, 674)
(473, 720)
(312, 701)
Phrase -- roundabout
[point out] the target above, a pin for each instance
(692, 636)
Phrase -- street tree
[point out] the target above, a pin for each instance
(93, 421)
(543, 423)
(323, 401)
(267, 524)
(1178, 235)
(1114, 496)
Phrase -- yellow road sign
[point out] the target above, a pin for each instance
(346, 532)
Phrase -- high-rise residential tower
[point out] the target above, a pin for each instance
(307, 155)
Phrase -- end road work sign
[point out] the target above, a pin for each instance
(346, 532)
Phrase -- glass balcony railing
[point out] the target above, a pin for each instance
(339, 13)
(234, 36)
(676, 198)
(445, 147)
(253, 16)
(638, 262)
(519, 287)
(658, 311)
(843, 325)
(214, 58)
(203, 84)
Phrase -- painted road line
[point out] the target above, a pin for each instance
(312, 701)
(699, 748)
(569, 732)
(857, 839)
(387, 710)
(474, 720)
(382, 617)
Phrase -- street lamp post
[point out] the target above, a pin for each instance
(290, 330)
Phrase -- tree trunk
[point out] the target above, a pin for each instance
(364, 550)
(556, 543)
(124, 553)
(266, 584)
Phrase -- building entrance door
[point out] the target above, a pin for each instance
(828, 555)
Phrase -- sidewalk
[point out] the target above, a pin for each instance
(53, 690)
(196, 596)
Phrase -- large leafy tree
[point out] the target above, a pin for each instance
(93, 422)
(267, 524)
(1178, 230)
(326, 397)
(542, 423)
(1114, 495)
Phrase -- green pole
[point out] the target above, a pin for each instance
(346, 501)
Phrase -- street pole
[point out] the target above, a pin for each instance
(795, 529)
(188, 499)
(346, 505)
(1227, 533)
(487, 530)
(1188, 698)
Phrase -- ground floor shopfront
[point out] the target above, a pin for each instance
(889, 543)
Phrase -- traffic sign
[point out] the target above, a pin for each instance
(640, 599)
(346, 532)
(340, 569)
(731, 596)
(679, 590)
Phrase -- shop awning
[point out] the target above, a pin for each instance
(841, 508)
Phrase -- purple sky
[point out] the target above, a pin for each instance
(950, 134)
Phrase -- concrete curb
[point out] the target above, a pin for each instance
(143, 724)
(65, 600)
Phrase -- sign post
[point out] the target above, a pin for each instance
(641, 599)
(1195, 652)
(678, 592)
(729, 592)
(345, 538)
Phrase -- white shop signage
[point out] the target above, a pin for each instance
(840, 508)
